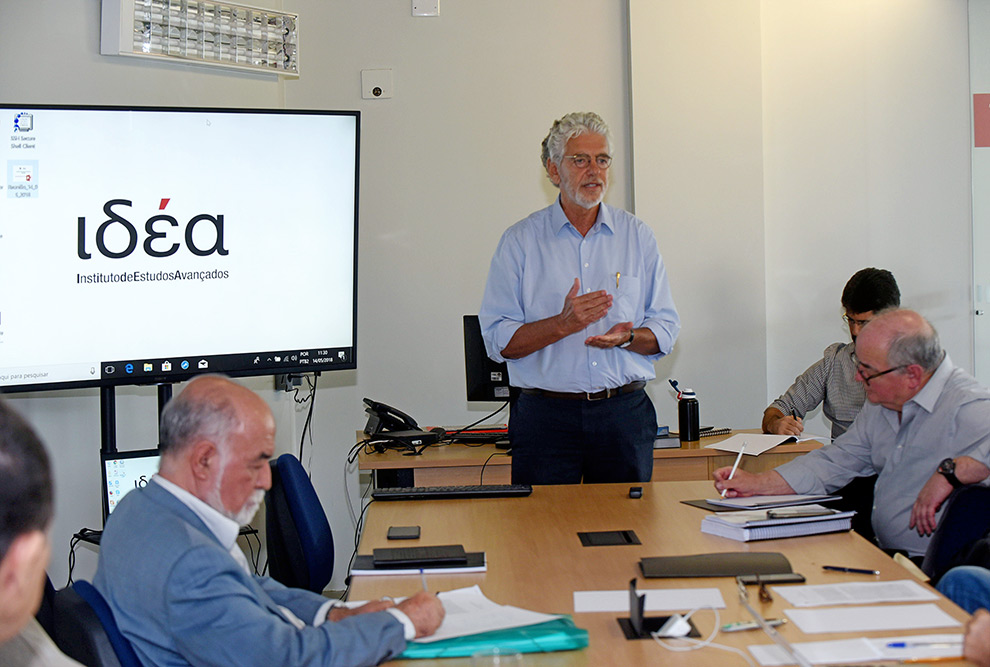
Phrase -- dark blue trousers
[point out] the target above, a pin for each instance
(562, 441)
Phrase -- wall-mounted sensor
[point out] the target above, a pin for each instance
(376, 84)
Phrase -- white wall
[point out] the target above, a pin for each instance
(787, 143)
(699, 182)
(859, 111)
(867, 163)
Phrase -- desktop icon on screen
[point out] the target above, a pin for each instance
(203, 363)
(148, 367)
(166, 365)
(184, 365)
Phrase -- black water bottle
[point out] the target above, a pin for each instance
(687, 416)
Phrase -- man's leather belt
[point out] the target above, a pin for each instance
(586, 395)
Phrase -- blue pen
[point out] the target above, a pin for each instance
(919, 644)
(422, 575)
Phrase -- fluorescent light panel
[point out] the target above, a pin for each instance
(223, 34)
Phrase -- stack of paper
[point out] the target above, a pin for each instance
(775, 524)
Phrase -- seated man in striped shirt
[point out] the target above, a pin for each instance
(831, 381)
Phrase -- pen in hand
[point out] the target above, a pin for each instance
(735, 465)
(422, 576)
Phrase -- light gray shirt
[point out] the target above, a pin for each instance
(949, 417)
(831, 382)
(33, 648)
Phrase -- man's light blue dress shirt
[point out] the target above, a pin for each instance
(532, 271)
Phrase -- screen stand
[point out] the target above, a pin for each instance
(108, 415)
(108, 420)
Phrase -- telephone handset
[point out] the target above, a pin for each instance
(384, 418)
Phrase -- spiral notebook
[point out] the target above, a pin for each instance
(757, 525)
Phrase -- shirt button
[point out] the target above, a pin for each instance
(594, 363)
(586, 265)
(587, 289)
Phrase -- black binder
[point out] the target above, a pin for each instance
(731, 564)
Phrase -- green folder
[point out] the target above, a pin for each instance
(559, 634)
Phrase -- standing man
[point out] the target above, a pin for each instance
(831, 381)
(178, 584)
(924, 432)
(25, 514)
(578, 304)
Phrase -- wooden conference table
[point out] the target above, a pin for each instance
(536, 561)
(462, 464)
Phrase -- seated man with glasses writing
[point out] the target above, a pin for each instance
(578, 304)
(831, 381)
(924, 431)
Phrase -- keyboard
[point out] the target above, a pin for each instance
(445, 492)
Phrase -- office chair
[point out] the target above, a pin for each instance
(86, 631)
(46, 612)
(857, 496)
(298, 536)
(965, 520)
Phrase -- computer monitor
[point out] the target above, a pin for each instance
(125, 471)
(487, 380)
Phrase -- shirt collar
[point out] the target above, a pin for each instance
(559, 221)
(223, 528)
(929, 394)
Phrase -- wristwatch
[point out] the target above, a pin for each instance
(947, 469)
(632, 334)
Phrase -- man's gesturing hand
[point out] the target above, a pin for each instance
(581, 310)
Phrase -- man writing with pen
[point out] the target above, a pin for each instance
(924, 431)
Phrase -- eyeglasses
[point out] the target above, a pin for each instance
(582, 160)
(851, 321)
(860, 366)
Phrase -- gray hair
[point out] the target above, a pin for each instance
(921, 347)
(209, 414)
(568, 127)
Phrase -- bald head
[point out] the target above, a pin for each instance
(897, 353)
(216, 440)
(905, 337)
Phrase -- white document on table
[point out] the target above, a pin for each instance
(862, 592)
(860, 650)
(757, 443)
(469, 612)
(871, 619)
(668, 599)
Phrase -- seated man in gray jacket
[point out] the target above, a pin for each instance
(178, 584)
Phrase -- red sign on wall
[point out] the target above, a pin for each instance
(981, 120)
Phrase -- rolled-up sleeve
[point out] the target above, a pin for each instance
(501, 312)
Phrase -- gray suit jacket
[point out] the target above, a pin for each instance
(182, 599)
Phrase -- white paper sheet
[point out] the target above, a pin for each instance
(756, 443)
(858, 650)
(470, 612)
(669, 599)
(902, 590)
(871, 618)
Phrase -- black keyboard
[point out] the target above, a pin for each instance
(444, 492)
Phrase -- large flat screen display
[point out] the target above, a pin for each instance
(147, 245)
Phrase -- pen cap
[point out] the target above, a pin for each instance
(688, 423)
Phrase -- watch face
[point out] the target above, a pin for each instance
(947, 467)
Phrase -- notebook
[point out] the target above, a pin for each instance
(756, 525)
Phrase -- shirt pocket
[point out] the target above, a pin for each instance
(626, 300)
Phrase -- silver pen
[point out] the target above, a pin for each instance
(751, 625)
